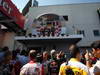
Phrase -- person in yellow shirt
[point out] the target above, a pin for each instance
(74, 66)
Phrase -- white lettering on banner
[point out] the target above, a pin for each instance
(6, 7)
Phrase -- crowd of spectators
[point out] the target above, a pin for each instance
(31, 62)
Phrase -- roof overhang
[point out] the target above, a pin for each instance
(43, 40)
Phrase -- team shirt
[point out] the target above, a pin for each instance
(77, 67)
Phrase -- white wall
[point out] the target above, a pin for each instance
(7, 39)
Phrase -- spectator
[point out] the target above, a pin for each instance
(5, 49)
(5, 67)
(39, 57)
(95, 69)
(53, 54)
(93, 59)
(32, 68)
(53, 64)
(83, 58)
(15, 63)
(60, 58)
(23, 58)
(74, 66)
(45, 62)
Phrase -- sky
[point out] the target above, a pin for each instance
(21, 3)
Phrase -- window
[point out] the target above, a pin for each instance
(65, 18)
(96, 32)
(81, 32)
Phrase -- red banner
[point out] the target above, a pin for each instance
(10, 10)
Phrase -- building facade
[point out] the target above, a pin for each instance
(67, 19)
